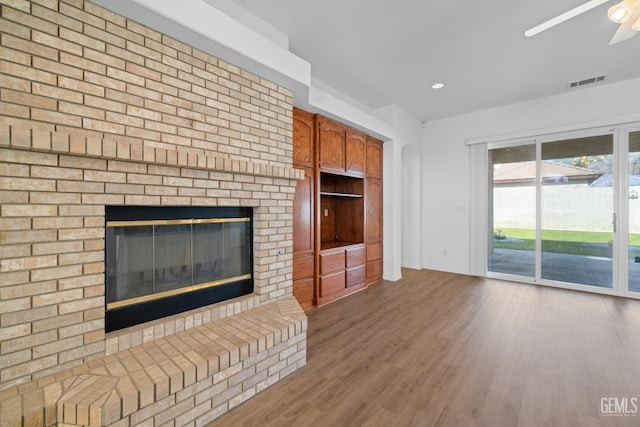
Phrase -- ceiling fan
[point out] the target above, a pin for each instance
(626, 13)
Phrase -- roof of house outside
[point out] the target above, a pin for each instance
(551, 172)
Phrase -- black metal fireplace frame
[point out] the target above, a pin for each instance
(134, 314)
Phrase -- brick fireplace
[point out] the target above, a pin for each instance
(97, 110)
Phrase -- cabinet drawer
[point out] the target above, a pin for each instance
(332, 283)
(356, 276)
(302, 267)
(303, 291)
(331, 262)
(356, 257)
(374, 251)
(374, 270)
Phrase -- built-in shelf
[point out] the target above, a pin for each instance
(332, 244)
(340, 185)
(355, 196)
(341, 210)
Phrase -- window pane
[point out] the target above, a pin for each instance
(512, 205)
(634, 211)
(577, 210)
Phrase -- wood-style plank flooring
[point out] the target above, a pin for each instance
(440, 349)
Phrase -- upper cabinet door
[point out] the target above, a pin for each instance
(332, 145)
(302, 138)
(355, 153)
(374, 158)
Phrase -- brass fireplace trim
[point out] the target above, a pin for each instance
(151, 297)
(111, 224)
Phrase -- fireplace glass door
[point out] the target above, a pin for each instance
(153, 259)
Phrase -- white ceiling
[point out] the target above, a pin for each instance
(382, 52)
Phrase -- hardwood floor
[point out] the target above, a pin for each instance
(440, 349)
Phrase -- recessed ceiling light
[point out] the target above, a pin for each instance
(437, 85)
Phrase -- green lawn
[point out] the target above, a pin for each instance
(590, 243)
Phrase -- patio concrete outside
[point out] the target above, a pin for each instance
(580, 269)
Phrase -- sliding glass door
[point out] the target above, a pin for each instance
(634, 211)
(577, 210)
(552, 211)
(512, 210)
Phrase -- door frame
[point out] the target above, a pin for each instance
(625, 130)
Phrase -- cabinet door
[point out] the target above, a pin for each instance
(303, 291)
(303, 267)
(332, 283)
(374, 210)
(303, 215)
(332, 262)
(374, 158)
(374, 271)
(356, 257)
(355, 153)
(302, 138)
(374, 251)
(356, 276)
(332, 146)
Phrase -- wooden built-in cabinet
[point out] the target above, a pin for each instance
(304, 237)
(337, 224)
(373, 209)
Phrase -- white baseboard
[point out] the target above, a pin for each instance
(392, 278)
(412, 266)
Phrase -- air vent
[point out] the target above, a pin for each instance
(586, 81)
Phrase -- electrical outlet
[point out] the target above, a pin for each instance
(326, 212)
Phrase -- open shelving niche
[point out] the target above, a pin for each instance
(341, 210)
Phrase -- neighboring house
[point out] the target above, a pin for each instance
(524, 173)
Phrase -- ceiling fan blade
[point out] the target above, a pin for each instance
(564, 17)
(625, 31)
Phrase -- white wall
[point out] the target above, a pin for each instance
(446, 163)
(402, 247)
(411, 206)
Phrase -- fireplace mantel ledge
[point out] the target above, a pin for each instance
(46, 141)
